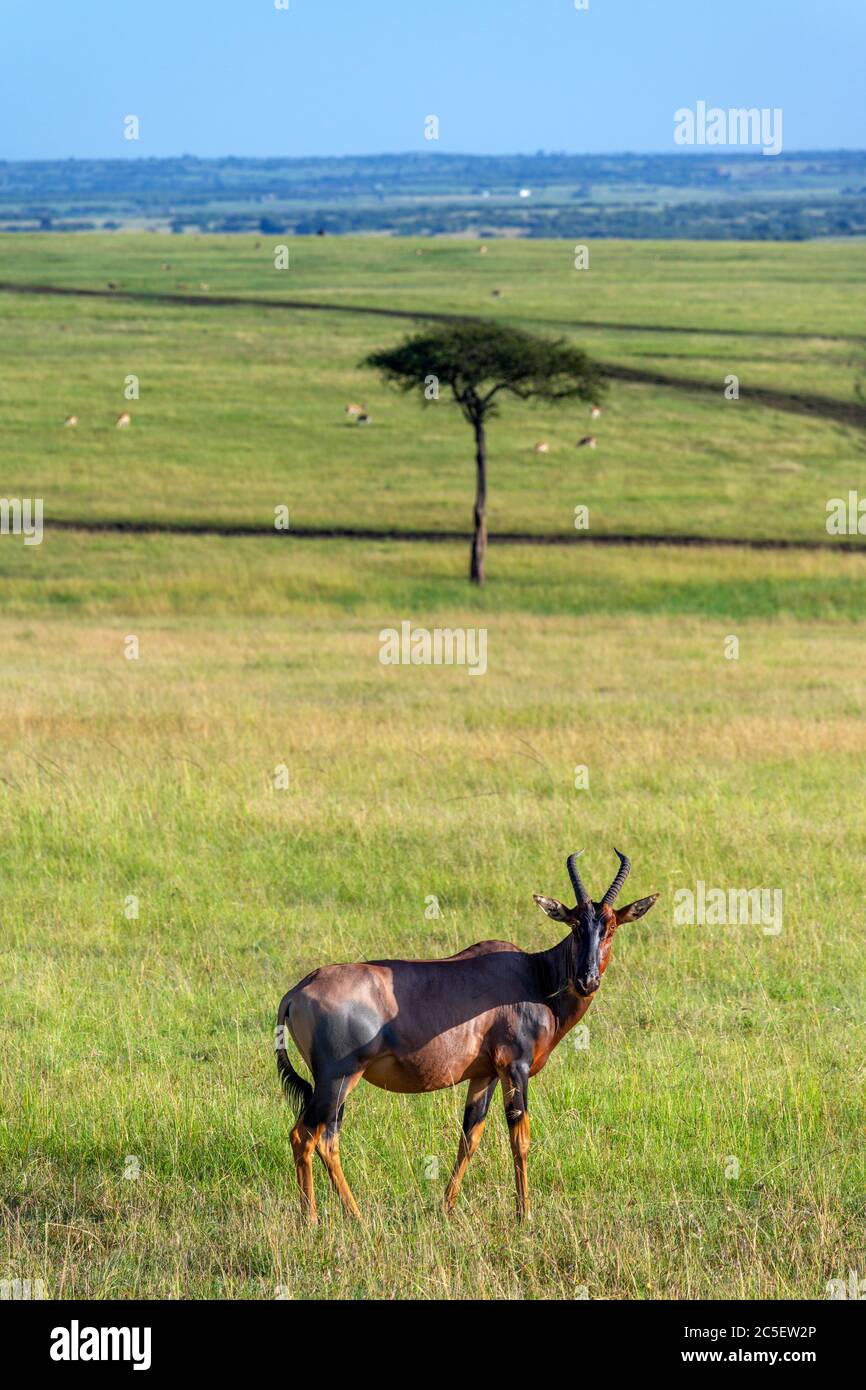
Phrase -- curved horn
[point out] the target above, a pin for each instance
(610, 896)
(576, 881)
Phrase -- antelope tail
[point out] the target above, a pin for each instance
(295, 1087)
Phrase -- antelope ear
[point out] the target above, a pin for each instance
(635, 909)
(557, 910)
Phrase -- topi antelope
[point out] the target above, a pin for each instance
(491, 1013)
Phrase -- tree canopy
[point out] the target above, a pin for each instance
(479, 360)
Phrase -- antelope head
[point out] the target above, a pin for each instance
(594, 923)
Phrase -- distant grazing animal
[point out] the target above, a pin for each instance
(542, 447)
(595, 412)
(124, 419)
(353, 409)
(166, 265)
(364, 420)
(482, 250)
(112, 284)
(589, 440)
(71, 420)
(491, 1013)
(496, 293)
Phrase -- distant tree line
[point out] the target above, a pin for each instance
(727, 195)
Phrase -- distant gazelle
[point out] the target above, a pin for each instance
(123, 419)
(71, 420)
(542, 447)
(595, 412)
(482, 250)
(354, 409)
(589, 440)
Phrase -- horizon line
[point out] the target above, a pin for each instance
(720, 152)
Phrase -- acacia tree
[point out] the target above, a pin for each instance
(480, 362)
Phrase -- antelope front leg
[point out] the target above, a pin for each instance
(478, 1099)
(515, 1093)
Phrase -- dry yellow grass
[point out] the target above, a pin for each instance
(144, 1148)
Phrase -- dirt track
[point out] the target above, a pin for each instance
(306, 533)
(824, 407)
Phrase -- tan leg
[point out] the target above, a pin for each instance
(515, 1093)
(474, 1117)
(304, 1142)
(327, 1105)
(328, 1149)
(519, 1135)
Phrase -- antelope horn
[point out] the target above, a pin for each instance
(576, 881)
(610, 896)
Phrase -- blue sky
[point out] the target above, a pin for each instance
(325, 77)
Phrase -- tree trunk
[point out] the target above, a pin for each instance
(479, 515)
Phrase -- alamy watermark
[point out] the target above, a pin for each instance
(22, 1290)
(854, 1287)
(739, 125)
(77, 1343)
(443, 646)
(846, 516)
(22, 516)
(703, 906)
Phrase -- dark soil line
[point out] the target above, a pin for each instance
(823, 407)
(180, 528)
(223, 301)
(691, 330)
(11, 287)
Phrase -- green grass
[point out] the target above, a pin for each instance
(143, 1044)
(151, 1037)
(242, 410)
(810, 289)
(160, 575)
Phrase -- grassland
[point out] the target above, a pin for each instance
(241, 409)
(144, 1145)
